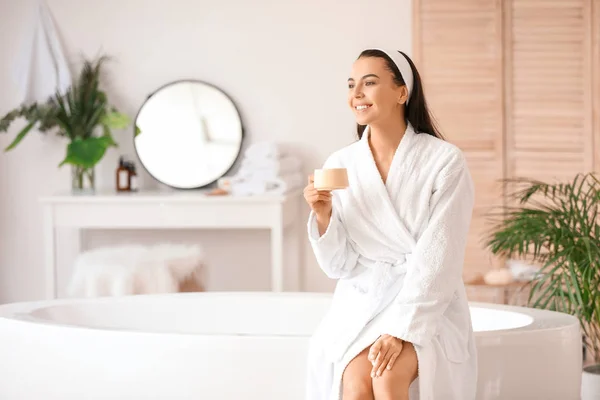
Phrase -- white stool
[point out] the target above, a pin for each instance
(135, 269)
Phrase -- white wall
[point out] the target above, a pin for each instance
(283, 62)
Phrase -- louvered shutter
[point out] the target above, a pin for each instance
(549, 91)
(458, 51)
(595, 50)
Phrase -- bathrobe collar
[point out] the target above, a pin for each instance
(400, 156)
(375, 192)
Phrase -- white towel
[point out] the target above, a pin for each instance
(285, 183)
(240, 186)
(264, 150)
(270, 168)
(522, 271)
(41, 69)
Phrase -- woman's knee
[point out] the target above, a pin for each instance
(391, 387)
(357, 388)
(357, 383)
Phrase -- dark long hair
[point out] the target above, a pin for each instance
(417, 112)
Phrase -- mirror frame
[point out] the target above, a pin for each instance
(235, 106)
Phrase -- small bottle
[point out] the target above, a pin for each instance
(123, 177)
(133, 178)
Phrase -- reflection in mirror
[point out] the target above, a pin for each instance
(188, 134)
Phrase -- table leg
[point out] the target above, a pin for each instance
(49, 252)
(277, 258)
(300, 232)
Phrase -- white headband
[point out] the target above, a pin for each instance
(404, 68)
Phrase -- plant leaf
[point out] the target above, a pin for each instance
(77, 113)
(555, 225)
(115, 120)
(108, 135)
(20, 136)
(86, 152)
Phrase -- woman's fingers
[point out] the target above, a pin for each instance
(323, 196)
(375, 365)
(374, 351)
(315, 191)
(389, 359)
(392, 360)
(318, 196)
(383, 355)
(314, 196)
(379, 361)
(311, 189)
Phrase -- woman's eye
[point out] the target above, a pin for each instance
(369, 83)
(350, 86)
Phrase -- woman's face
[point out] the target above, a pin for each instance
(373, 95)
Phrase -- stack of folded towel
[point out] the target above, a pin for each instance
(265, 169)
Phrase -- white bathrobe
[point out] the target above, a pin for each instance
(397, 251)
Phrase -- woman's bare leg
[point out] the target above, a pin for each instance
(357, 383)
(393, 384)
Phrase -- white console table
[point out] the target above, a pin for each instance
(168, 210)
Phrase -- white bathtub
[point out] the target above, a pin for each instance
(250, 346)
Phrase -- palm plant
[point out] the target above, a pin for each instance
(82, 115)
(556, 226)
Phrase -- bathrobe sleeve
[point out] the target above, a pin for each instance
(435, 270)
(333, 250)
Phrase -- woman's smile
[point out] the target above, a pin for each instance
(362, 107)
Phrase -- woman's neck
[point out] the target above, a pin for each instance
(384, 138)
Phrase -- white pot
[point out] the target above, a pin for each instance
(590, 382)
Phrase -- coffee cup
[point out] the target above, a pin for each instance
(330, 179)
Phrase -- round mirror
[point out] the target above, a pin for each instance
(188, 134)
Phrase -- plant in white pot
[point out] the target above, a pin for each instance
(557, 227)
(82, 115)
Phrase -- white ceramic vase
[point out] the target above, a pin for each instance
(590, 382)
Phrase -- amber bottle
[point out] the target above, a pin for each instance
(123, 181)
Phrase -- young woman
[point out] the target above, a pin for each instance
(399, 325)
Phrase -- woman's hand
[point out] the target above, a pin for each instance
(319, 201)
(383, 354)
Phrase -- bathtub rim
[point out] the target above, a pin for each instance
(18, 312)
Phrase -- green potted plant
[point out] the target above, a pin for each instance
(556, 227)
(83, 115)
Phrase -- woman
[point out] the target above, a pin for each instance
(399, 325)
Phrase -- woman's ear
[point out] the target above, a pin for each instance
(403, 94)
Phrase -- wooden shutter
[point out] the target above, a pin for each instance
(596, 80)
(458, 52)
(549, 92)
(516, 85)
